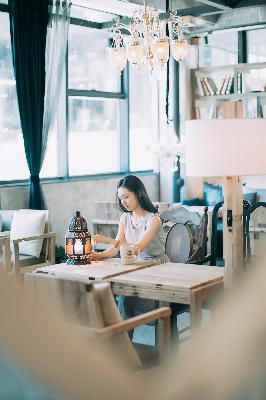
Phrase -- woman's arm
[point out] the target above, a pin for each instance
(153, 227)
(112, 251)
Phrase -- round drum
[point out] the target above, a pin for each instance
(179, 242)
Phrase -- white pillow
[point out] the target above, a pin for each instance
(1, 222)
(25, 224)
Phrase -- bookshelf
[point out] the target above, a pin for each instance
(230, 91)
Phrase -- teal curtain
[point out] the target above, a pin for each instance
(28, 27)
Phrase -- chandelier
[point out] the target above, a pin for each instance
(148, 42)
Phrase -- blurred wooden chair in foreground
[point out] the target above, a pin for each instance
(91, 309)
(5, 253)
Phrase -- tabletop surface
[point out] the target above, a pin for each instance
(172, 275)
(96, 270)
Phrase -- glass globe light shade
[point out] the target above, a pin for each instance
(135, 53)
(161, 51)
(179, 49)
(117, 58)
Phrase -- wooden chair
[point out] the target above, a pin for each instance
(21, 261)
(91, 309)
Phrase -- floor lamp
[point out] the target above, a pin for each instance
(228, 148)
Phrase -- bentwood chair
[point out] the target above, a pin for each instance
(179, 240)
(179, 248)
(91, 309)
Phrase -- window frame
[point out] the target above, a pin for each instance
(63, 122)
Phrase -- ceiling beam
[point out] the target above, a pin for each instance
(237, 19)
(220, 4)
(199, 10)
(249, 3)
(84, 22)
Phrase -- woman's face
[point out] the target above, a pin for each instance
(128, 199)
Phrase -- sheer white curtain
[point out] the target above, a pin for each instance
(56, 45)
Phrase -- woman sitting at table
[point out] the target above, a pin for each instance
(141, 225)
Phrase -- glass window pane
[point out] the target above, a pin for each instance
(89, 14)
(256, 45)
(143, 120)
(222, 49)
(13, 163)
(88, 66)
(93, 142)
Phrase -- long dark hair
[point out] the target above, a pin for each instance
(136, 186)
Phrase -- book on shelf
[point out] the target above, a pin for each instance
(230, 109)
(240, 82)
(230, 85)
(225, 84)
(204, 87)
(200, 88)
(212, 88)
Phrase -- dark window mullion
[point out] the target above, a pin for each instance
(124, 122)
(95, 94)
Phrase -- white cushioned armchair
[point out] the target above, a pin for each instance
(32, 244)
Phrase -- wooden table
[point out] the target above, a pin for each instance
(97, 270)
(173, 283)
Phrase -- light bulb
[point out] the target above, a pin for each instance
(135, 53)
(179, 49)
(117, 58)
(161, 51)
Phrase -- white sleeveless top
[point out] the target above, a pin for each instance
(156, 247)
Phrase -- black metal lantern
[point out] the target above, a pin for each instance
(78, 241)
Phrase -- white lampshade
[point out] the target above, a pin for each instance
(225, 147)
(161, 51)
(117, 58)
(179, 49)
(135, 53)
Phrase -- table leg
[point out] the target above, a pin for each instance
(195, 309)
(199, 295)
(173, 326)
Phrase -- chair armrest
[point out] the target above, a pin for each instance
(40, 237)
(50, 256)
(163, 313)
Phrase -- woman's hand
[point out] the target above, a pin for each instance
(97, 238)
(102, 239)
(94, 256)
